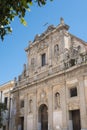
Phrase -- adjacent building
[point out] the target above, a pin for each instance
(5, 97)
(51, 92)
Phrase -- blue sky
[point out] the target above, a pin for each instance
(12, 54)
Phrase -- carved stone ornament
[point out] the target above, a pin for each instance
(32, 62)
(66, 54)
(74, 51)
(73, 105)
(50, 28)
(42, 95)
(42, 46)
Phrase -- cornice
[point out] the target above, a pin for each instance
(7, 85)
(63, 72)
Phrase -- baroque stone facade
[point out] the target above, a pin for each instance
(51, 92)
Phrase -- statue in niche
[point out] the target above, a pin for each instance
(57, 100)
(30, 106)
(33, 63)
(56, 50)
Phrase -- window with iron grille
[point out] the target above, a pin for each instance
(73, 92)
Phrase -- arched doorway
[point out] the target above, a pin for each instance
(43, 117)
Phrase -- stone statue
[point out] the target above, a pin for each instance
(30, 106)
(15, 81)
(24, 71)
(56, 50)
(57, 100)
(61, 20)
(66, 54)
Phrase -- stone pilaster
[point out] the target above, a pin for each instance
(25, 111)
(16, 109)
(83, 114)
(50, 50)
(50, 109)
(35, 111)
(64, 108)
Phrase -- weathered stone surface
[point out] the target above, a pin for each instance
(65, 68)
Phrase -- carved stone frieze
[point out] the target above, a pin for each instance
(74, 73)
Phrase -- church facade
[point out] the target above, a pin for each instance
(51, 92)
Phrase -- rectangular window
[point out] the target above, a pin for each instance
(22, 103)
(43, 58)
(73, 92)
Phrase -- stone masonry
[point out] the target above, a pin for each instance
(51, 92)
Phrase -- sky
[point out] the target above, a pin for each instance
(12, 53)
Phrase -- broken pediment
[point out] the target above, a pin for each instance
(50, 28)
(40, 37)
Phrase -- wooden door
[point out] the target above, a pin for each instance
(43, 114)
(76, 120)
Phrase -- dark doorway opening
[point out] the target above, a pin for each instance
(43, 117)
(22, 123)
(4, 127)
(75, 117)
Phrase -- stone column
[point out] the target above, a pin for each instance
(50, 109)
(83, 114)
(25, 112)
(64, 108)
